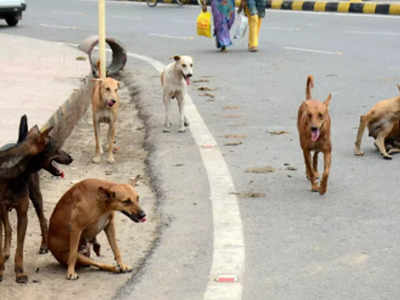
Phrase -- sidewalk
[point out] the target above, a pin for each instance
(37, 77)
(46, 81)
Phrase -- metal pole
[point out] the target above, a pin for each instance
(102, 38)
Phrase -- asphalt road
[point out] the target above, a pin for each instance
(299, 245)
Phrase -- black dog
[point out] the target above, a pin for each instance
(39, 154)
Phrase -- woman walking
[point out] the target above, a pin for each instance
(223, 12)
(255, 10)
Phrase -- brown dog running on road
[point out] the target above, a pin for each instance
(105, 103)
(314, 126)
(83, 212)
(383, 123)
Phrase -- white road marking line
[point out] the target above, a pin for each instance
(58, 26)
(167, 36)
(283, 28)
(380, 33)
(133, 18)
(314, 50)
(68, 13)
(229, 250)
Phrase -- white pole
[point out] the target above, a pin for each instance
(102, 38)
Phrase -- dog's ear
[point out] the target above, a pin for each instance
(177, 57)
(119, 84)
(23, 129)
(105, 194)
(328, 100)
(133, 181)
(398, 87)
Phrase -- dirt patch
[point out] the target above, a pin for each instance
(46, 277)
(260, 170)
(247, 195)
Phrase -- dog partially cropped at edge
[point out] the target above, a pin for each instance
(14, 191)
(105, 104)
(174, 81)
(45, 160)
(383, 125)
(314, 126)
(83, 212)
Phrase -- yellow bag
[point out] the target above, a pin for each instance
(204, 24)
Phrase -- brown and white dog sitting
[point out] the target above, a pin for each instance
(314, 126)
(105, 103)
(82, 213)
(174, 80)
(383, 125)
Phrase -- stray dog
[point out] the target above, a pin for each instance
(383, 124)
(314, 126)
(83, 212)
(105, 103)
(45, 160)
(14, 194)
(174, 79)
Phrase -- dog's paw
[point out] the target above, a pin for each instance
(314, 187)
(72, 276)
(6, 256)
(96, 159)
(182, 130)
(110, 160)
(322, 190)
(388, 157)
(21, 278)
(186, 123)
(122, 268)
(358, 153)
(166, 129)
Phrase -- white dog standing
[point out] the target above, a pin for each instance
(174, 79)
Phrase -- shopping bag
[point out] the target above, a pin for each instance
(204, 24)
(241, 26)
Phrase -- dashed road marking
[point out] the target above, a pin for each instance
(314, 50)
(380, 33)
(59, 26)
(167, 36)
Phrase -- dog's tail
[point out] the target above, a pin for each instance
(309, 86)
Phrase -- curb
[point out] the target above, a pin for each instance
(340, 7)
(70, 112)
(321, 6)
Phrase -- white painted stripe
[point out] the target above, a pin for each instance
(167, 36)
(283, 28)
(229, 251)
(380, 33)
(313, 50)
(68, 13)
(58, 26)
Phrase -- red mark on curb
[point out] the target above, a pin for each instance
(226, 278)
(207, 146)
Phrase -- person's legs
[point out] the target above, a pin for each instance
(221, 26)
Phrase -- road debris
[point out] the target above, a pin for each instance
(261, 170)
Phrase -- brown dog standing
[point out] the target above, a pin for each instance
(314, 126)
(383, 123)
(82, 213)
(105, 103)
